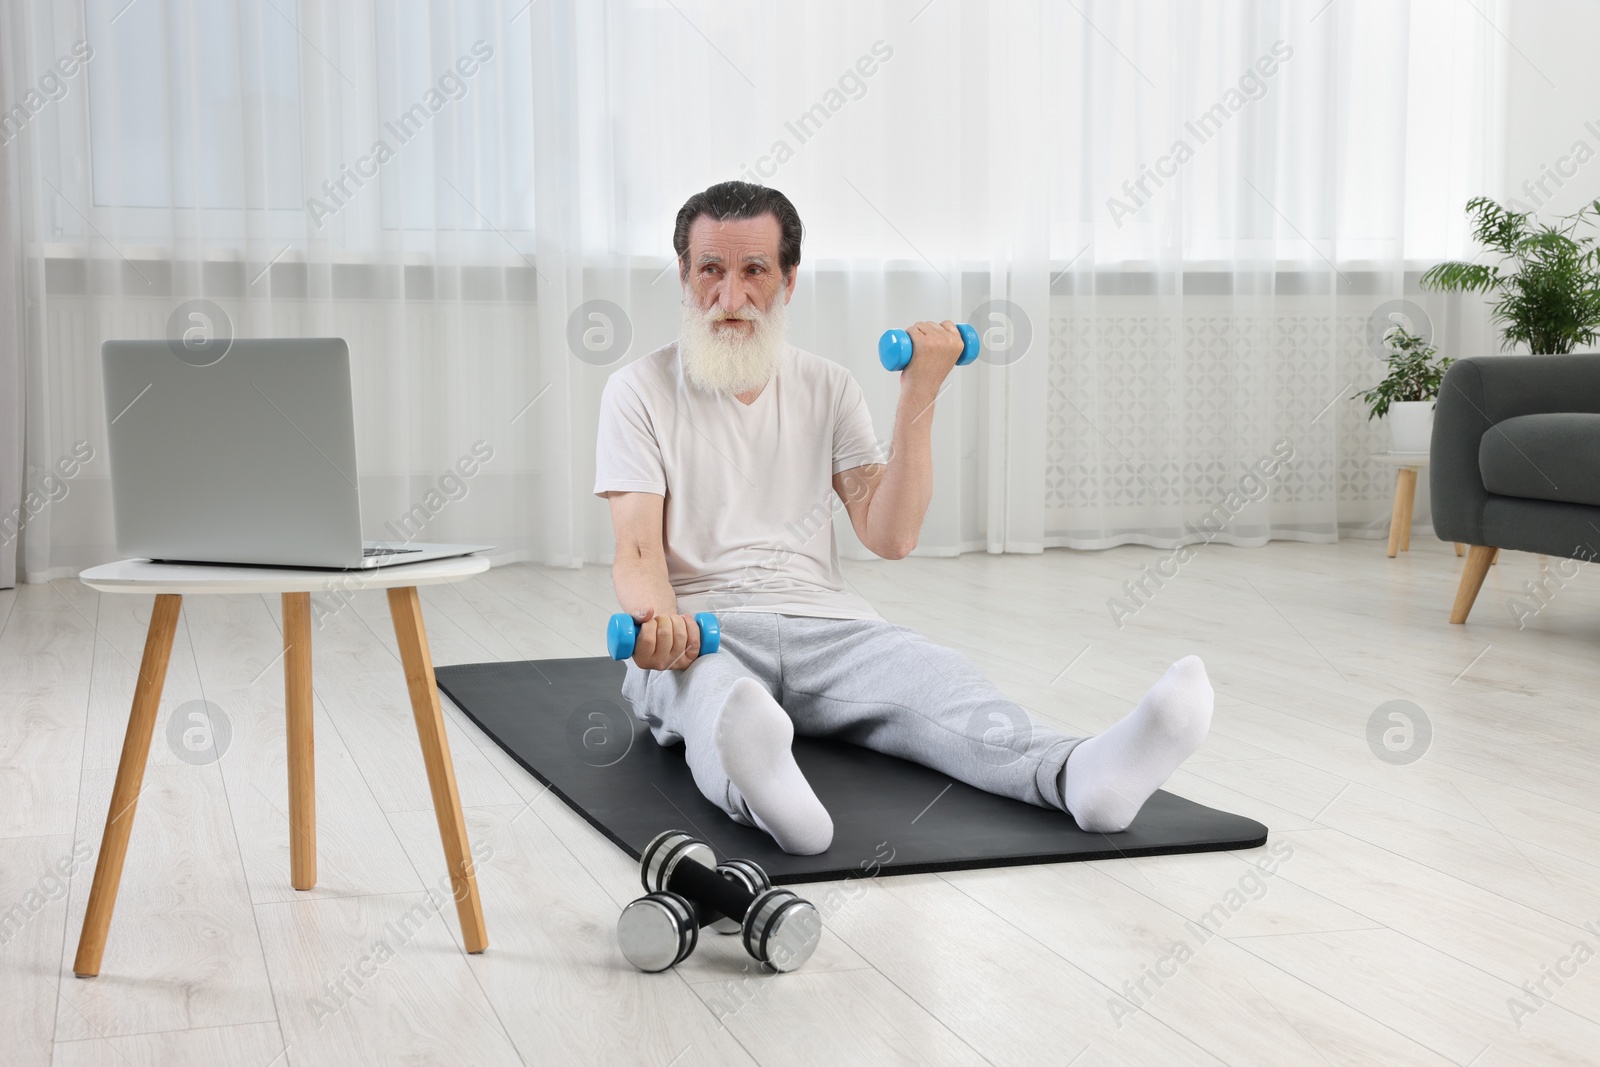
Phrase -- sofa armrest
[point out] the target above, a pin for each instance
(1479, 392)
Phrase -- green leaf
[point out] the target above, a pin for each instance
(1547, 281)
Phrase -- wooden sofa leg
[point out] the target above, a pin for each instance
(1479, 557)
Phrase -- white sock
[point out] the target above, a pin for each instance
(754, 736)
(1108, 778)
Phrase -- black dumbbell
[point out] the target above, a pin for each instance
(778, 927)
(659, 862)
(748, 874)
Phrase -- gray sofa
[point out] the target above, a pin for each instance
(1515, 460)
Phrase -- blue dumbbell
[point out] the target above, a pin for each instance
(894, 348)
(622, 632)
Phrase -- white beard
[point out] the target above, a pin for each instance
(726, 362)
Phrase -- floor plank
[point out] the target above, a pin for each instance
(376, 980)
(257, 1044)
(1456, 1010)
(959, 961)
(41, 755)
(183, 951)
(1187, 975)
(34, 875)
(856, 1016)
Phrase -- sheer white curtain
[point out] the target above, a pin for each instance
(479, 197)
(1248, 191)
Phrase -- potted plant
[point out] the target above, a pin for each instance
(1548, 281)
(1405, 396)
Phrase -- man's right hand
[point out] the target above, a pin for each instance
(667, 642)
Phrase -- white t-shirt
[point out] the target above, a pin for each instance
(749, 488)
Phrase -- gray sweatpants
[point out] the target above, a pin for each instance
(866, 681)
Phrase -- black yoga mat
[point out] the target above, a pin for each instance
(567, 722)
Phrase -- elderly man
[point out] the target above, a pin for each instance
(718, 454)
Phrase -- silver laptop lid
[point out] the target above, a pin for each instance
(250, 459)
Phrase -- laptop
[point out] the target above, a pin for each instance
(250, 459)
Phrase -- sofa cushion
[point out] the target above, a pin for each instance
(1553, 456)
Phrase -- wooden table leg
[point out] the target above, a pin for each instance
(405, 607)
(302, 749)
(129, 783)
(1405, 494)
(1461, 549)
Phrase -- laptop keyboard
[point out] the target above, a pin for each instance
(368, 552)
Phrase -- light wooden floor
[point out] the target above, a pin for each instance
(1409, 906)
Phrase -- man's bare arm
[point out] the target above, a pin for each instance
(888, 501)
(640, 570)
(666, 640)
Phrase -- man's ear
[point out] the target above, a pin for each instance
(794, 276)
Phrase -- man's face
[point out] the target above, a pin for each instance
(733, 265)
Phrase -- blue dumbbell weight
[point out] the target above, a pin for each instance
(623, 631)
(894, 347)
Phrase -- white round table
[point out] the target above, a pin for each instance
(1405, 497)
(171, 582)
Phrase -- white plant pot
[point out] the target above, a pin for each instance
(1410, 425)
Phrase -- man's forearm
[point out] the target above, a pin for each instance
(641, 582)
(895, 513)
